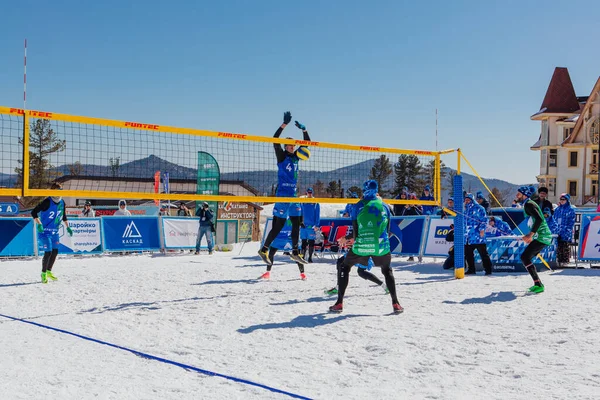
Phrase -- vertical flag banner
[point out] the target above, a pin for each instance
(209, 177)
(156, 185)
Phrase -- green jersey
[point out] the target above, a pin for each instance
(372, 219)
(537, 222)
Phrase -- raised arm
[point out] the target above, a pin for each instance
(279, 152)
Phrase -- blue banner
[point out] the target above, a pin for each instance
(505, 253)
(16, 237)
(589, 237)
(9, 209)
(130, 233)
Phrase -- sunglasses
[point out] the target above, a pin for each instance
(563, 199)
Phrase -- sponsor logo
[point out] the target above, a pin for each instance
(441, 232)
(131, 231)
(370, 148)
(306, 143)
(139, 125)
(231, 135)
(423, 152)
(32, 113)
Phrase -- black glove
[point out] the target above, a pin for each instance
(302, 225)
(287, 117)
(300, 126)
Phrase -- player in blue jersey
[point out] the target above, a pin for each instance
(287, 186)
(311, 221)
(48, 216)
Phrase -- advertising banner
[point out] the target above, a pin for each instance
(436, 244)
(209, 177)
(180, 233)
(130, 233)
(16, 237)
(505, 253)
(589, 237)
(87, 236)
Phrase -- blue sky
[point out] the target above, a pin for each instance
(357, 72)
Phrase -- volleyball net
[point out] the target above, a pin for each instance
(96, 158)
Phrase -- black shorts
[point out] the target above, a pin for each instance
(378, 261)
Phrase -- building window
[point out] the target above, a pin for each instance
(572, 159)
(552, 157)
(567, 132)
(544, 133)
(594, 187)
(595, 131)
(572, 188)
(552, 186)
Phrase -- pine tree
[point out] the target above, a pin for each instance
(333, 190)
(43, 142)
(381, 171)
(319, 189)
(407, 171)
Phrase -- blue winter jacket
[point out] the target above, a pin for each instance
(311, 214)
(565, 218)
(476, 221)
(428, 210)
(551, 221)
(500, 228)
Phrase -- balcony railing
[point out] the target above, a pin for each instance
(593, 169)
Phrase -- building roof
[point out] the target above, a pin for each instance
(560, 97)
(588, 105)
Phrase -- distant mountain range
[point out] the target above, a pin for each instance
(262, 181)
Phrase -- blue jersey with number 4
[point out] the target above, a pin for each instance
(287, 176)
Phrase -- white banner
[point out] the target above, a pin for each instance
(436, 244)
(86, 236)
(591, 242)
(180, 232)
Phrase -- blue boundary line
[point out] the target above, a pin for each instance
(164, 360)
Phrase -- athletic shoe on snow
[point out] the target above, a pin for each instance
(536, 289)
(51, 276)
(385, 288)
(336, 308)
(297, 257)
(266, 275)
(265, 257)
(397, 308)
(44, 279)
(303, 276)
(331, 291)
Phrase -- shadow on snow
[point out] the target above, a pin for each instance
(302, 321)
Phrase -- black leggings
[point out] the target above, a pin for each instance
(363, 273)
(470, 257)
(380, 261)
(278, 224)
(272, 252)
(532, 250)
(48, 260)
(310, 243)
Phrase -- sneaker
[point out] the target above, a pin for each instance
(265, 257)
(385, 288)
(297, 257)
(44, 279)
(210, 253)
(266, 275)
(303, 276)
(196, 252)
(537, 289)
(397, 308)
(310, 260)
(51, 276)
(336, 308)
(331, 291)
(411, 259)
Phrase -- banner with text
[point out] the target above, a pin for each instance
(180, 233)
(87, 236)
(130, 233)
(436, 244)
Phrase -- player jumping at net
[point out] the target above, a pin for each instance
(539, 237)
(371, 226)
(287, 186)
(48, 216)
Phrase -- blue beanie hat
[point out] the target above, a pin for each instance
(428, 188)
(470, 196)
(370, 189)
(526, 190)
(480, 195)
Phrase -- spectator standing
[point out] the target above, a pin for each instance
(565, 219)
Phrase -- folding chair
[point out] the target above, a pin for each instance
(320, 247)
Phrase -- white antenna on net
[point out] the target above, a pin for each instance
(436, 129)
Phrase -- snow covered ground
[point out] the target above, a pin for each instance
(476, 338)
